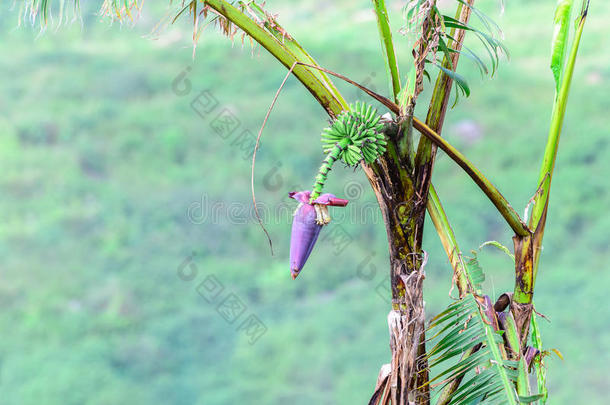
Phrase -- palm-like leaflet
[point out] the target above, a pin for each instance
(465, 327)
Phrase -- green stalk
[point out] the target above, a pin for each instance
(331, 100)
(524, 291)
(498, 200)
(425, 155)
(494, 349)
(558, 114)
(387, 45)
(332, 156)
(447, 237)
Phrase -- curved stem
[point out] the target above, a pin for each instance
(331, 157)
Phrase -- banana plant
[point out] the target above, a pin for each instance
(482, 352)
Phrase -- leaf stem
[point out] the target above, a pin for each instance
(447, 237)
(558, 114)
(524, 290)
(387, 45)
(498, 200)
(327, 164)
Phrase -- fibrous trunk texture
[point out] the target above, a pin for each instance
(403, 213)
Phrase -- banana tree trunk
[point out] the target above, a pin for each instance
(403, 213)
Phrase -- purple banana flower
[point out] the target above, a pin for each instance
(306, 225)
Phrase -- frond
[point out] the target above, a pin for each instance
(470, 325)
(59, 12)
(121, 10)
(205, 15)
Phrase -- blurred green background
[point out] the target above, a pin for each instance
(126, 225)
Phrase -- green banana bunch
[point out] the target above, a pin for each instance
(354, 136)
(361, 129)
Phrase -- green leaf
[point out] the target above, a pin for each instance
(464, 328)
(529, 399)
(523, 384)
(459, 80)
(559, 43)
(493, 46)
(475, 273)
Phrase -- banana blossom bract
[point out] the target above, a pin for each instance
(306, 225)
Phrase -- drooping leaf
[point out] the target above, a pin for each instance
(499, 246)
(458, 79)
(44, 11)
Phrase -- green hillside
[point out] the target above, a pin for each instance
(126, 225)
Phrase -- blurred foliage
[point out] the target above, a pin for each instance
(109, 180)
